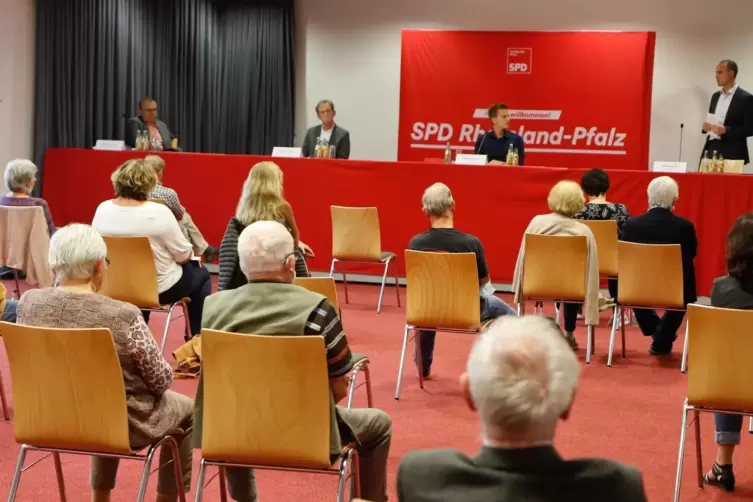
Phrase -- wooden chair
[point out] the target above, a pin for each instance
(291, 432)
(720, 348)
(131, 277)
(555, 268)
(356, 239)
(443, 295)
(17, 253)
(326, 286)
(605, 234)
(650, 276)
(69, 397)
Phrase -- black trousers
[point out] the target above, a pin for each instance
(663, 329)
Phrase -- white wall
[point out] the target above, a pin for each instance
(16, 80)
(349, 51)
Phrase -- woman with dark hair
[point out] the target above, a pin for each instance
(733, 291)
(595, 184)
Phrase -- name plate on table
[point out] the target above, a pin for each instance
(109, 144)
(670, 167)
(287, 152)
(468, 159)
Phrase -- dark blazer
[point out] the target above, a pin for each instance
(340, 139)
(136, 124)
(733, 144)
(514, 475)
(661, 226)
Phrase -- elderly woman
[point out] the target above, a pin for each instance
(660, 226)
(565, 200)
(733, 291)
(78, 256)
(130, 214)
(20, 179)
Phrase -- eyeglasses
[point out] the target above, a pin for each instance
(285, 260)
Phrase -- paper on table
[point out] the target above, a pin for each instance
(713, 119)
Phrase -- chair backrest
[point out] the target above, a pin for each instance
(720, 344)
(605, 234)
(555, 267)
(650, 275)
(20, 228)
(355, 234)
(322, 285)
(266, 399)
(131, 276)
(443, 290)
(68, 389)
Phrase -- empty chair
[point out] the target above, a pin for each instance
(356, 238)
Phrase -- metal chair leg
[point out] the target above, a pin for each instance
(189, 334)
(59, 475)
(353, 385)
(381, 291)
(622, 331)
(397, 285)
(2, 399)
(750, 426)
(684, 366)
(419, 359)
(589, 344)
(699, 459)
(145, 473)
(343, 477)
(167, 327)
(223, 485)
(17, 474)
(200, 481)
(18, 287)
(369, 399)
(345, 283)
(177, 469)
(617, 314)
(681, 454)
(559, 312)
(402, 364)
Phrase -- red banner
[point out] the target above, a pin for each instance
(578, 99)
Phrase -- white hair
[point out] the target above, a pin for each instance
(437, 200)
(18, 174)
(663, 192)
(157, 162)
(263, 247)
(75, 250)
(522, 375)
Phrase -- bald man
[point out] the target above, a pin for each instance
(270, 304)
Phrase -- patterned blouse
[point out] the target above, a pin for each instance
(152, 411)
(607, 211)
(9, 200)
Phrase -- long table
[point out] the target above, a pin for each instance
(493, 203)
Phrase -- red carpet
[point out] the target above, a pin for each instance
(630, 412)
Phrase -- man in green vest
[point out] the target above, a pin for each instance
(271, 304)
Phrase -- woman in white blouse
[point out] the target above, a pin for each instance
(131, 215)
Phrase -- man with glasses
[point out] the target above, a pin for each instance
(328, 134)
(160, 137)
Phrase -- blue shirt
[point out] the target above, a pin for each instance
(496, 148)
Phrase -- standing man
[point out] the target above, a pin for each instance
(330, 133)
(495, 143)
(160, 137)
(733, 110)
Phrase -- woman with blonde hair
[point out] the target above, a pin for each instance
(565, 200)
(261, 200)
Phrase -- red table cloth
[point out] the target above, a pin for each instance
(494, 203)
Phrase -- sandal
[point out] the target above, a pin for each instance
(721, 476)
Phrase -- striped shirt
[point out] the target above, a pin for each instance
(170, 198)
(325, 322)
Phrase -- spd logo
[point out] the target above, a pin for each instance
(519, 61)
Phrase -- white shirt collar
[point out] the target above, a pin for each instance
(730, 93)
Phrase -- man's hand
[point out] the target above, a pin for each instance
(497, 163)
(339, 387)
(717, 129)
(306, 250)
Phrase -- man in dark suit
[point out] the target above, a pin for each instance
(160, 137)
(521, 380)
(328, 132)
(496, 143)
(660, 226)
(733, 109)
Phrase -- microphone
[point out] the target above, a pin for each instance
(477, 150)
(682, 129)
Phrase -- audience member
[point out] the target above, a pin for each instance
(20, 179)
(261, 200)
(733, 291)
(169, 197)
(270, 304)
(595, 184)
(521, 379)
(131, 215)
(78, 256)
(439, 206)
(327, 133)
(159, 135)
(660, 226)
(565, 200)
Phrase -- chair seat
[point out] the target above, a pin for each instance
(357, 358)
(387, 255)
(184, 299)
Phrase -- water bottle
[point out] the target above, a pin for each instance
(448, 154)
(704, 168)
(510, 154)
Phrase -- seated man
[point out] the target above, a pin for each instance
(160, 137)
(170, 198)
(660, 226)
(521, 378)
(328, 133)
(439, 206)
(270, 304)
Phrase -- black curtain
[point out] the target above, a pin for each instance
(221, 71)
